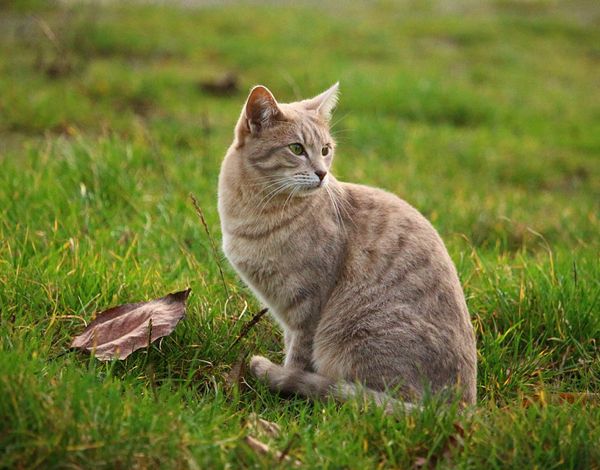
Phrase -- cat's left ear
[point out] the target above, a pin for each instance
(261, 109)
(325, 102)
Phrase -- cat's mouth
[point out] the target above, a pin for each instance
(316, 185)
(307, 186)
(307, 190)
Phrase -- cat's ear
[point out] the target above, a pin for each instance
(261, 110)
(325, 102)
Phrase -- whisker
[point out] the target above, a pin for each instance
(343, 203)
(261, 206)
(334, 207)
(339, 119)
(289, 198)
(267, 185)
(259, 181)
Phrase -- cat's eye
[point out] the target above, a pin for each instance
(297, 149)
(324, 151)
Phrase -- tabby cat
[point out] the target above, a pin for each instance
(366, 294)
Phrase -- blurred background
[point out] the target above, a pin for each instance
(462, 106)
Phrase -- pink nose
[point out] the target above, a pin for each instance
(321, 174)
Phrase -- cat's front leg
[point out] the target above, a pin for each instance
(299, 322)
(298, 349)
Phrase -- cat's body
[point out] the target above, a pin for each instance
(360, 282)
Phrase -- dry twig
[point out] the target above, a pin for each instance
(211, 240)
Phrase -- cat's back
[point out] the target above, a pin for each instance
(393, 248)
(381, 220)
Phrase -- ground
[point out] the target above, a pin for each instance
(483, 115)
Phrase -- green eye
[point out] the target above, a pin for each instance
(324, 151)
(297, 149)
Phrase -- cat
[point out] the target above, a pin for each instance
(362, 285)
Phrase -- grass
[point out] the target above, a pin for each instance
(484, 116)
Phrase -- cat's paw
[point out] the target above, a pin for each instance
(259, 366)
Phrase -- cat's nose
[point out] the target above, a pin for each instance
(321, 174)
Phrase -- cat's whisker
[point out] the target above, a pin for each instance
(343, 203)
(334, 206)
(265, 178)
(263, 205)
(339, 119)
(266, 182)
(292, 192)
(267, 196)
(268, 185)
(290, 196)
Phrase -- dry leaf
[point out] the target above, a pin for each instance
(257, 446)
(263, 449)
(268, 427)
(119, 331)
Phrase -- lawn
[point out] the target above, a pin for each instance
(483, 115)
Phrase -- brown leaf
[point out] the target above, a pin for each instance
(263, 449)
(268, 427)
(257, 446)
(119, 331)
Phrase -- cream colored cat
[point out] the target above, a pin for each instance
(361, 283)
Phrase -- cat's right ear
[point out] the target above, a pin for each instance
(260, 111)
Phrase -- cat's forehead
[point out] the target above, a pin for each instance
(304, 126)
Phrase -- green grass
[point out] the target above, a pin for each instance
(485, 116)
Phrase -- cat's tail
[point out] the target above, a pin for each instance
(312, 385)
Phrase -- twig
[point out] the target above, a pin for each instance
(283, 455)
(247, 327)
(48, 33)
(210, 238)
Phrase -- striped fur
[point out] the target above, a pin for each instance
(359, 280)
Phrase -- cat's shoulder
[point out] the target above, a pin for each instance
(362, 196)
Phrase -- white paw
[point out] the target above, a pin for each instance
(260, 366)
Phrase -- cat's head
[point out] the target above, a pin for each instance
(286, 145)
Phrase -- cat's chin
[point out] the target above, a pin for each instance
(309, 191)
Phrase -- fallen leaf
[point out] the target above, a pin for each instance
(268, 427)
(119, 331)
(257, 446)
(263, 449)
